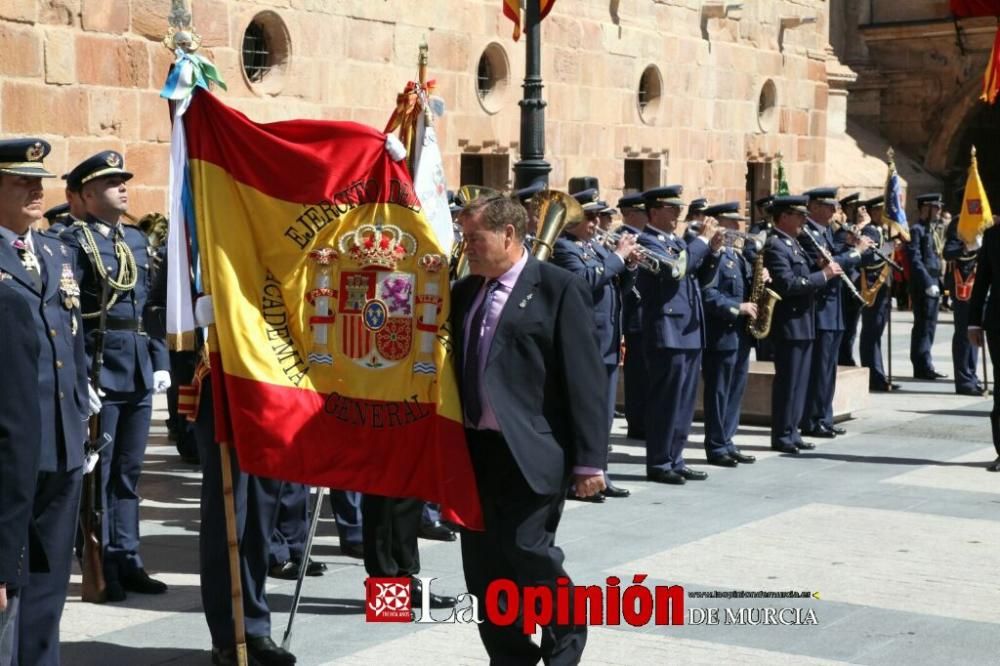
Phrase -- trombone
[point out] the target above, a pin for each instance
(648, 260)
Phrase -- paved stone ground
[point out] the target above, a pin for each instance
(896, 526)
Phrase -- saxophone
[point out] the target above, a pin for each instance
(760, 326)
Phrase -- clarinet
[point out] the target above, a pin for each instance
(854, 231)
(829, 259)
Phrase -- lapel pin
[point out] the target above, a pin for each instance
(47, 249)
(524, 302)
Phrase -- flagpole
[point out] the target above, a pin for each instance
(286, 642)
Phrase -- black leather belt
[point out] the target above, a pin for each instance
(117, 324)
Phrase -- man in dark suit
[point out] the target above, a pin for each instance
(984, 316)
(610, 274)
(726, 362)
(852, 307)
(817, 237)
(634, 220)
(961, 276)
(925, 289)
(532, 383)
(794, 326)
(136, 363)
(41, 270)
(20, 445)
(672, 332)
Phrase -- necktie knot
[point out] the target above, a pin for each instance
(19, 244)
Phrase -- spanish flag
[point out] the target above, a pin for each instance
(976, 213)
(512, 10)
(331, 298)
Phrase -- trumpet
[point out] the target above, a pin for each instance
(647, 260)
(737, 240)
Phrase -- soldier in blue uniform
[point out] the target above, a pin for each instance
(726, 362)
(817, 418)
(526, 196)
(695, 218)
(610, 274)
(925, 290)
(672, 333)
(634, 220)
(136, 364)
(793, 327)
(960, 278)
(875, 285)
(41, 270)
(852, 306)
(57, 217)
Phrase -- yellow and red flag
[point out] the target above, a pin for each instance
(976, 214)
(331, 297)
(971, 8)
(512, 10)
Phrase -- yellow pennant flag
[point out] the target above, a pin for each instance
(976, 213)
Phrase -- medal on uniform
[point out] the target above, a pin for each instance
(69, 289)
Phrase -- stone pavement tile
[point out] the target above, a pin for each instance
(918, 563)
(965, 472)
(459, 644)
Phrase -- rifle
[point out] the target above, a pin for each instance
(94, 587)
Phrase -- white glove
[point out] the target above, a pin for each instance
(204, 312)
(161, 381)
(90, 462)
(395, 147)
(93, 401)
(933, 291)
(975, 245)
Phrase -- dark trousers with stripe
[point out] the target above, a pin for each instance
(852, 315)
(673, 385)
(724, 375)
(291, 520)
(636, 383)
(925, 317)
(964, 356)
(993, 343)
(873, 323)
(792, 359)
(822, 381)
(253, 531)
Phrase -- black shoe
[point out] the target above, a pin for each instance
(355, 550)
(743, 458)
(792, 450)
(805, 446)
(619, 414)
(285, 570)
(315, 568)
(139, 581)
(596, 498)
(995, 467)
(437, 600)
(929, 375)
(114, 591)
(725, 460)
(819, 431)
(837, 430)
(436, 531)
(883, 388)
(975, 390)
(635, 433)
(665, 476)
(692, 474)
(615, 492)
(265, 652)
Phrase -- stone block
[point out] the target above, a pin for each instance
(377, 45)
(150, 162)
(149, 18)
(104, 16)
(21, 47)
(25, 11)
(114, 113)
(40, 109)
(154, 117)
(60, 57)
(160, 61)
(83, 147)
(116, 62)
(212, 21)
(59, 12)
(143, 200)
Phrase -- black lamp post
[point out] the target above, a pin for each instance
(532, 166)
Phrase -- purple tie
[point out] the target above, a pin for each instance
(470, 374)
(29, 261)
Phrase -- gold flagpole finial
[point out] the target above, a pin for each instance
(891, 153)
(181, 34)
(973, 151)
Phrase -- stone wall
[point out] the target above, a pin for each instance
(85, 74)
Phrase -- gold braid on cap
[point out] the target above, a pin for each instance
(128, 272)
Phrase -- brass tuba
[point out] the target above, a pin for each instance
(466, 195)
(765, 299)
(556, 211)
